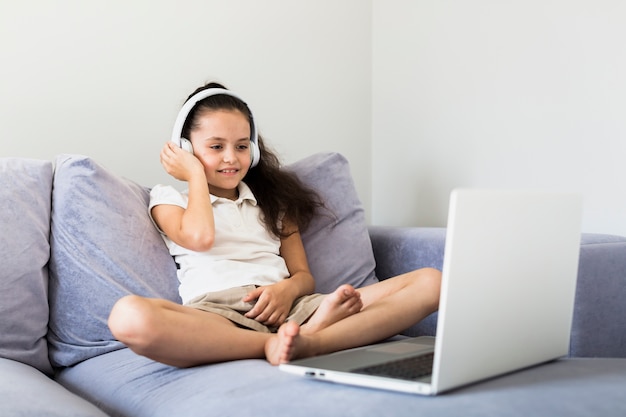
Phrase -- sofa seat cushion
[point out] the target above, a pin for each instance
(24, 253)
(129, 385)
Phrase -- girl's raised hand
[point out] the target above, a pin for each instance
(179, 163)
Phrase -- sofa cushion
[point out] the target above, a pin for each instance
(599, 321)
(24, 253)
(124, 384)
(103, 246)
(337, 242)
(25, 392)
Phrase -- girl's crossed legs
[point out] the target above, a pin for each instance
(389, 307)
(181, 336)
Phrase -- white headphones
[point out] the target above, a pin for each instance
(255, 153)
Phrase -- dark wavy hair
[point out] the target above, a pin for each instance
(278, 192)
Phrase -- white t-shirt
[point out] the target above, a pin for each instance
(243, 253)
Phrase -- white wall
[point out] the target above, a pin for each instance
(421, 96)
(489, 93)
(106, 79)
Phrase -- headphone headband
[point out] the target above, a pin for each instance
(177, 132)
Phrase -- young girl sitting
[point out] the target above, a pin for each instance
(244, 279)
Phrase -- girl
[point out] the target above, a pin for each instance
(245, 282)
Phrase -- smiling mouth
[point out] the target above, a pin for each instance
(228, 171)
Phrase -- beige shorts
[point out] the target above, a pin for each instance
(227, 303)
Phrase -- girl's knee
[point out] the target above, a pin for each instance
(131, 320)
(429, 282)
(434, 283)
(432, 277)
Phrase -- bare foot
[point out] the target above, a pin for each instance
(285, 346)
(343, 302)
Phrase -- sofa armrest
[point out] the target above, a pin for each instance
(599, 321)
(402, 249)
(599, 325)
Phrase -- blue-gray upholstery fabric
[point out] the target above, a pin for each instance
(599, 325)
(103, 246)
(337, 242)
(125, 384)
(25, 190)
(26, 392)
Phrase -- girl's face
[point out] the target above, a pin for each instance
(221, 141)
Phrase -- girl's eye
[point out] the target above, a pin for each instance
(242, 147)
(216, 147)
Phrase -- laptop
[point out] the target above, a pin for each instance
(507, 298)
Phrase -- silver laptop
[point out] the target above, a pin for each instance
(507, 298)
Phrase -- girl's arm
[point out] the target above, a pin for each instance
(192, 228)
(292, 251)
(275, 301)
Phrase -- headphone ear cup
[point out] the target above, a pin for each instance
(185, 144)
(255, 154)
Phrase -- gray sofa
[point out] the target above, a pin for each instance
(76, 237)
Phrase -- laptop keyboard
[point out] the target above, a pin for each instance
(410, 369)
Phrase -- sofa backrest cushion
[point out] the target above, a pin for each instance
(104, 246)
(337, 242)
(25, 190)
